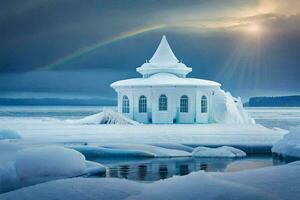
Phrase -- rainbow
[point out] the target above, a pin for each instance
(99, 44)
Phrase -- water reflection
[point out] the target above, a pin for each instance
(157, 169)
(124, 171)
(203, 166)
(142, 172)
(184, 169)
(163, 171)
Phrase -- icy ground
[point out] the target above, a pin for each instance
(50, 130)
(125, 140)
(280, 182)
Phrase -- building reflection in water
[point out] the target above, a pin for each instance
(156, 169)
(203, 166)
(184, 169)
(163, 171)
(142, 172)
(124, 171)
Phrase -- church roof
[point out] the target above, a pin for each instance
(164, 61)
(164, 79)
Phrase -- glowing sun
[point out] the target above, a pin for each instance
(254, 29)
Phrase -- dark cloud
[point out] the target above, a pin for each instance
(35, 33)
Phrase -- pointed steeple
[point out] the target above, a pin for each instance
(163, 53)
(163, 61)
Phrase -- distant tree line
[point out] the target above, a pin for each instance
(292, 101)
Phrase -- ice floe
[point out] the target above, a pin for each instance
(100, 152)
(94, 168)
(41, 164)
(289, 145)
(224, 152)
(49, 161)
(9, 134)
(155, 150)
(175, 146)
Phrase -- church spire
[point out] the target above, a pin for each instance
(163, 61)
(163, 53)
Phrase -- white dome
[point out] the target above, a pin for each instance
(164, 79)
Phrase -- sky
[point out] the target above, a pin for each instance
(75, 48)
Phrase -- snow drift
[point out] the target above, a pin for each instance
(223, 152)
(154, 150)
(289, 145)
(94, 168)
(41, 164)
(280, 182)
(105, 117)
(102, 152)
(175, 146)
(229, 110)
(49, 161)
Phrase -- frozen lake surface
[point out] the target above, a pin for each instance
(281, 117)
(47, 125)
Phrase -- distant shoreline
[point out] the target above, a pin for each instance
(55, 102)
(281, 101)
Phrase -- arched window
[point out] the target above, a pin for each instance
(163, 102)
(203, 104)
(142, 104)
(184, 104)
(125, 104)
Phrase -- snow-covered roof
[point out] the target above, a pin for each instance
(164, 60)
(163, 53)
(164, 79)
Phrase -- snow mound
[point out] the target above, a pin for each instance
(94, 168)
(105, 117)
(229, 110)
(9, 134)
(193, 186)
(200, 185)
(174, 146)
(49, 161)
(223, 152)
(289, 145)
(155, 150)
(101, 152)
(295, 163)
(77, 189)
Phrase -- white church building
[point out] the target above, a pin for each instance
(164, 95)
